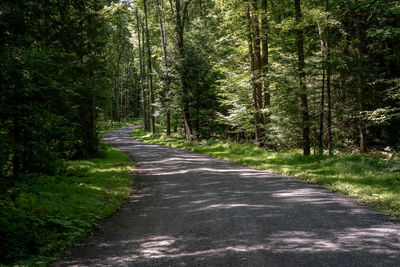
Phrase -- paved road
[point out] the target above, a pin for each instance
(192, 210)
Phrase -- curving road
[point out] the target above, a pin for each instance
(188, 209)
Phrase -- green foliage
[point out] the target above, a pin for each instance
(371, 179)
(43, 215)
(51, 71)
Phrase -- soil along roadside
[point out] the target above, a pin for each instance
(190, 209)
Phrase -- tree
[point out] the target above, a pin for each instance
(302, 85)
(149, 71)
(181, 16)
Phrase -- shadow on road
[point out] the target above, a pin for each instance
(190, 210)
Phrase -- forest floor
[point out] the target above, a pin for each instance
(42, 215)
(188, 209)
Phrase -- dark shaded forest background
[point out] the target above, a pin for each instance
(284, 74)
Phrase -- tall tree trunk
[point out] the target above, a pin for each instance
(92, 142)
(150, 72)
(160, 12)
(360, 84)
(197, 107)
(142, 90)
(181, 14)
(255, 29)
(322, 103)
(302, 85)
(116, 85)
(264, 55)
(328, 83)
(111, 106)
(257, 129)
(168, 122)
(328, 93)
(146, 79)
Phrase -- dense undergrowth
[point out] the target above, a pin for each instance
(371, 179)
(40, 216)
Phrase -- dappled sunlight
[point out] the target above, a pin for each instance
(109, 170)
(171, 249)
(188, 209)
(231, 206)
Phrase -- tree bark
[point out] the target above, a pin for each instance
(302, 85)
(150, 72)
(181, 14)
(257, 129)
(92, 142)
(168, 122)
(265, 53)
(255, 30)
(328, 93)
(146, 78)
(143, 101)
(197, 107)
(116, 85)
(328, 84)
(360, 85)
(322, 103)
(163, 34)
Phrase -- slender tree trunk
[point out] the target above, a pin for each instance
(150, 72)
(322, 103)
(111, 107)
(321, 114)
(328, 83)
(329, 97)
(92, 142)
(163, 34)
(257, 129)
(264, 55)
(181, 14)
(142, 91)
(360, 86)
(116, 87)
(146, 79)
(302, 85)
(197, 107)
(255, 30)
(168, 122)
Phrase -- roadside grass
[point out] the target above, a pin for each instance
(370, 179)
(44, 215)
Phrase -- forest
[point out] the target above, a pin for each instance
(317, 76)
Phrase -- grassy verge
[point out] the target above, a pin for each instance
(44, 215)
(370, 179)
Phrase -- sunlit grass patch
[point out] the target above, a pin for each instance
(39, 220)
(369, 179)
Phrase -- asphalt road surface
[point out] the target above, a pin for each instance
(188, 209)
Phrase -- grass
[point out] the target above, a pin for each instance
(44, 215)
(369, 179)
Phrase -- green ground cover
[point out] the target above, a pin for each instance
(43, 215)
(370, 179)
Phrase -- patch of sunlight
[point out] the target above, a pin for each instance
(97, 188)
(115, 169)
(81, 163)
